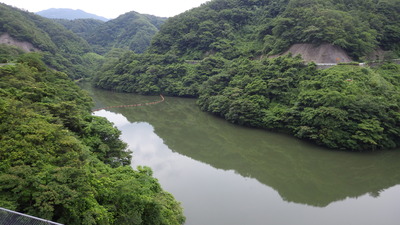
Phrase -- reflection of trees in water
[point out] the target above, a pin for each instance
(300, 172)
(131, 105)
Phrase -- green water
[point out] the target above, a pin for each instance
(227, 174)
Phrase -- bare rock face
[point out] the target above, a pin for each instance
(323, 53)
(24, 45)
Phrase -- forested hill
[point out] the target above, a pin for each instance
(81, 27)
(59, 162)
(259, 27)
(62, 49)
(130, 31)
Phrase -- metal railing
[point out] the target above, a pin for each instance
(9, 217)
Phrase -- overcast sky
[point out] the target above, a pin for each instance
(111, 8)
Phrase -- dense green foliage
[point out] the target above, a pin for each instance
(145, 74)
(81, 27)
(62, 49)
(344, 107)
(9, 53)
(59, 162)
(257, 27)
(131, 31)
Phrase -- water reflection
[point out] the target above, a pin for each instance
(298, 171)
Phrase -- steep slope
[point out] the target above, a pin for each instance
(61, 49)
(131, 31)
(69, 14)
(58, 161)
(61, 163)
(256, 27)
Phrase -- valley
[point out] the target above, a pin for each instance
(287, 110)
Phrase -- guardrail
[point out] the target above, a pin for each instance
(9, 217)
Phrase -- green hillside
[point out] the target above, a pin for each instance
(131, 31)
(59, 162)
(62, 49)
(258, 27)
(81, 27)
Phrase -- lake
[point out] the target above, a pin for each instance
(231, 175)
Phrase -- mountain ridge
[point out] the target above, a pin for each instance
(69, 14)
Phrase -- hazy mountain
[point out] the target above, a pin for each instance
(69, 14)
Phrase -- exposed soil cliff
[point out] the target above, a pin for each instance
(323, 53)
(24, 45)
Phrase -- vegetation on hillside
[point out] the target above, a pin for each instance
(62, 49)
(81, 27)
(132, 31)
(9, 53)
(144, 74)
(344, 107)
(61, 163)
(256, 27)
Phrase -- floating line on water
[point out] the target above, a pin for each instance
(125, 106)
